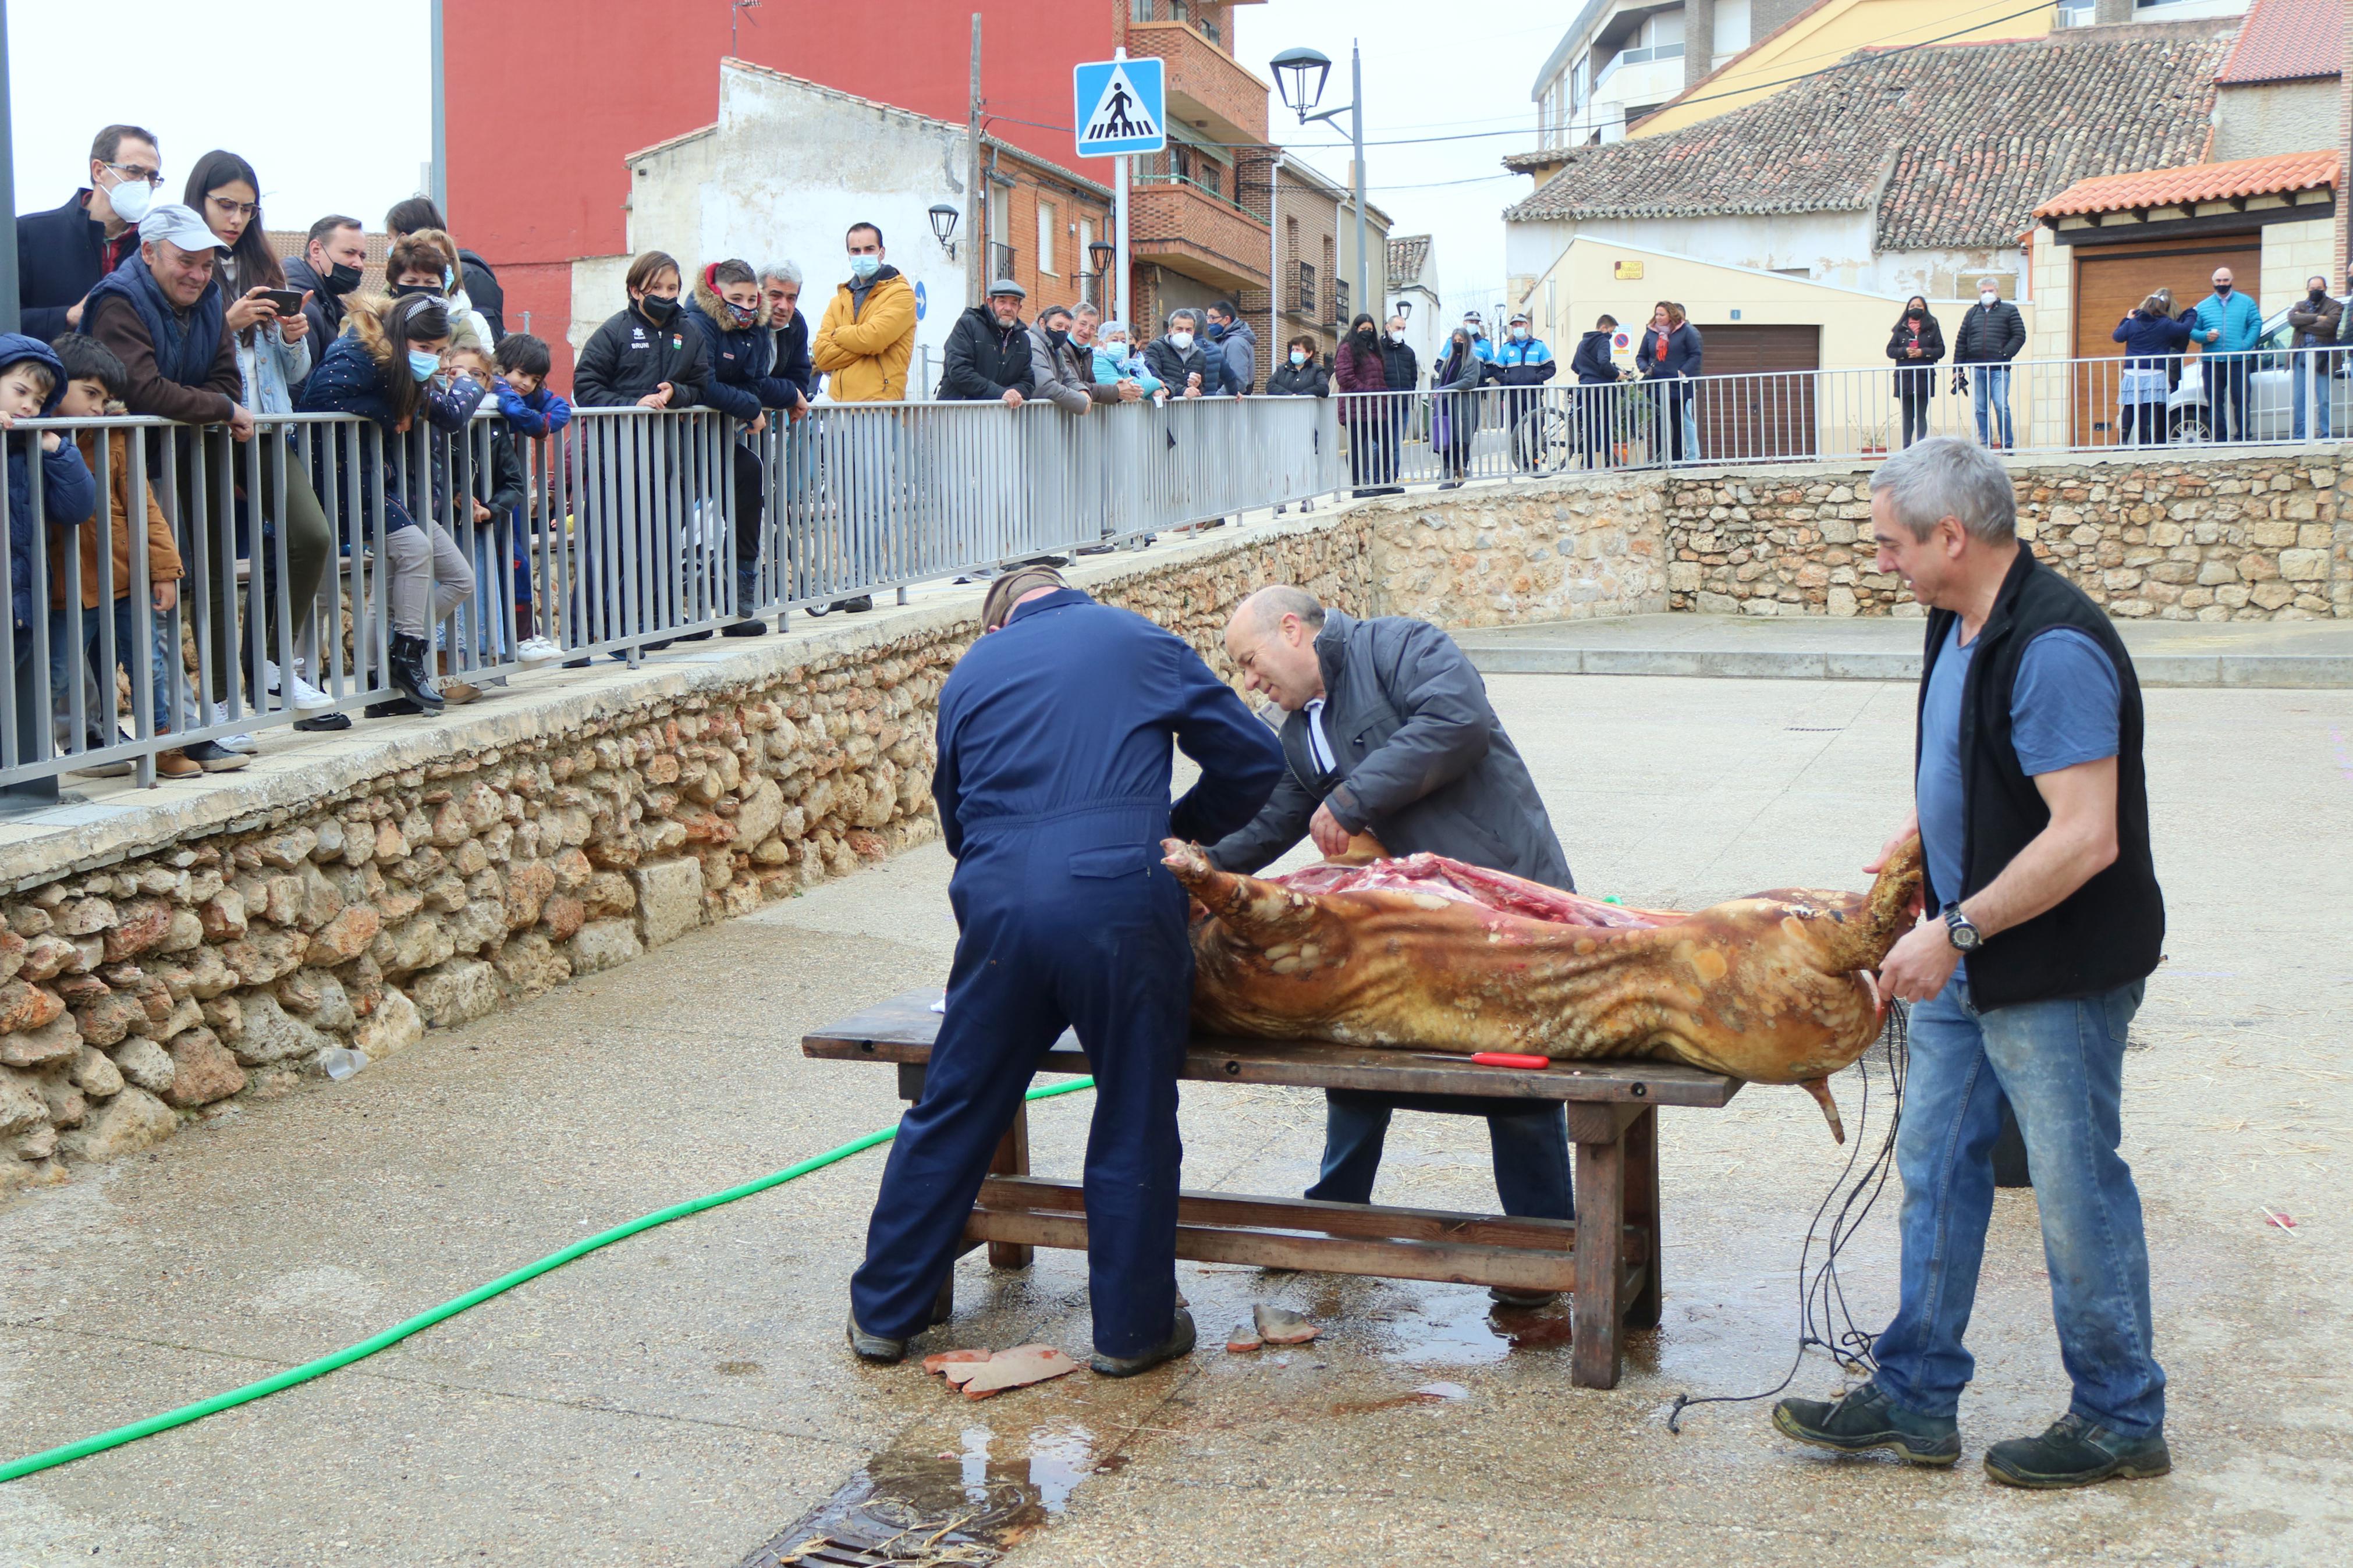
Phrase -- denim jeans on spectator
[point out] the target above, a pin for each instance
(1989, 398)
(2061, 1066)
(2225, 378)
(1690, 402)
(1531, 1148)
(2310, 374)
(64, 665)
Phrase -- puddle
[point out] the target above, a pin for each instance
(1463, 1328)
(919, 1504)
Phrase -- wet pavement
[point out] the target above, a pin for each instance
(683, 1397)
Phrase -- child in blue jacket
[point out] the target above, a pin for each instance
(32, 380)
(531, 411)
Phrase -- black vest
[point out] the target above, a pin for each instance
(2110, 931)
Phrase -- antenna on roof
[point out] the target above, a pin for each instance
(735, 9)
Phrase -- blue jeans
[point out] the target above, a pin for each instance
(1990, 396)
(1530, 1143)
(63, 664)
(2308, 373)
(2061, 1066)
(2225, 379)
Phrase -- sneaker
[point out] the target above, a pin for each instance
(1864, 1418)
(455, 692)
(217, 714)
(2073, 1452)
(1179, 1342)
(857, 606)
(319, 722)
(749, 627)
(214, 758)
(533, 651)
(301, 694)
(176, 764)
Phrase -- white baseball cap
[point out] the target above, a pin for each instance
(181, 225)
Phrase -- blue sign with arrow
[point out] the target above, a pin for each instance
(1122, 106)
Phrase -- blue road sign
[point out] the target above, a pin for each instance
(1121, 107)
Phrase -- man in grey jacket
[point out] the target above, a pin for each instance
(1389, 732)
(1064, 371)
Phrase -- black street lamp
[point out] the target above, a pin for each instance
(1299, 77)
(944, 224)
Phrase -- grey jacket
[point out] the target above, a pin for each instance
(1424, 764)
(1065, 376)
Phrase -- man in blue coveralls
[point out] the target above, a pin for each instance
(1052, 784)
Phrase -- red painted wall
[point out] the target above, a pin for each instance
(545, 101)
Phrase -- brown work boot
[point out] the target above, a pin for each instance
(176, 764)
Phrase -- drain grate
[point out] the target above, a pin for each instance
(870, 1524)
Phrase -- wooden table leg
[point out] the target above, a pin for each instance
(1600, 1262)
(1642, 1211)
(1012, 1158)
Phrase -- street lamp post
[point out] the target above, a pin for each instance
(1101, 253)
(1299, 76)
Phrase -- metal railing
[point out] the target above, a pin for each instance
(2263, 397)
(629, 530)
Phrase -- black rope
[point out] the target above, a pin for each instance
(1824, 1320)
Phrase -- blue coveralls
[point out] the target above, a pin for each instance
(1052, 784)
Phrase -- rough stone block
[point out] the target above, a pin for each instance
(669, 898)
(601, 944)
(131, 1120)
(394, 1027)
(456, 993)
(95, 1074)
(270, 1034)
(2304, 565)
(145, 1063)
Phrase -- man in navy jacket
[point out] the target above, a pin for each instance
(1052, 784)
(62, 253)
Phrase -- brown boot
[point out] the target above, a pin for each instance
(176, 764)
(453, 690)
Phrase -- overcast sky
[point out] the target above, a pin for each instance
(261, 96)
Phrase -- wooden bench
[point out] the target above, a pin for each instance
(1608, 1257)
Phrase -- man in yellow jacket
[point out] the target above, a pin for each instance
(863, 346)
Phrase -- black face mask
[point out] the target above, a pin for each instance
(1363, 334)
(1914, 315)
(402, 290)
(657, 309)
(341, 278)
(2223, 289)
(1058, 336)
(2318, 295)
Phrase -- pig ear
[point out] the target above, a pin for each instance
(1259, 913)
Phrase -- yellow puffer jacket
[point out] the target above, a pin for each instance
(865, 353)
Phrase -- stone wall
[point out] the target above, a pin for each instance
(2243, 539)
(1492, 556)
(454, 868)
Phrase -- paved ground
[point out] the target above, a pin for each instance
(2310, 655)
(683, 1397)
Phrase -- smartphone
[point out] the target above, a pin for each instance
(287, 301)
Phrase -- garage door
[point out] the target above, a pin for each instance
(2111, 280)
(1764, 413)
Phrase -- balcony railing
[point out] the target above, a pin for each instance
(1000, 260)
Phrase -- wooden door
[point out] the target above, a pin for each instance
(2110, 281)
(1763, 412)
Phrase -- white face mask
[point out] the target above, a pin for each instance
(1397, 336)
(1181, 341)
(131, 199)
(1519, 334)
(1987, 296)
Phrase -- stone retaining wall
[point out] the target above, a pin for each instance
(1493, 556)
(2242, 539)
(355, 904)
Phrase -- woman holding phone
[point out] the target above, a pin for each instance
(273, 355)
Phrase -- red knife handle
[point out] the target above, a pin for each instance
(1511, 1060)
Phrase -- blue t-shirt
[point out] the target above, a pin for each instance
(2063, 711)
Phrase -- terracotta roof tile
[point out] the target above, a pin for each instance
(2195, 183)
(1953, 144)
(2287, 40)
(1408, 254)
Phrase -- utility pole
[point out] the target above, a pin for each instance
(975, 275)
(1356, 123)
(32, 704)
(10, 320)
(440, 183)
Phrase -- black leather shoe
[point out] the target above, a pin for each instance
(745, 628)
(1865, 1418)
(1179, 1342)
(875, 1347)
(2075, 1452)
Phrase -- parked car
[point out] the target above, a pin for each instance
(2271, 408)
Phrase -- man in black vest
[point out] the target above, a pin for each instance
(2046, 922)
(1387, 731)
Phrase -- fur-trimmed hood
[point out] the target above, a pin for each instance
(708, 300)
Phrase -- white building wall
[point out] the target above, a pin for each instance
(737, 194)
(2274, 116)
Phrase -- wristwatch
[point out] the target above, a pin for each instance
(1965, 936)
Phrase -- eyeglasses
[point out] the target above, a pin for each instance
(133, 174)
(234, 209)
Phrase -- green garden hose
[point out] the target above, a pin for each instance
(292, 1375)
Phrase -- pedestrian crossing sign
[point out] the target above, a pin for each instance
(1121, 107)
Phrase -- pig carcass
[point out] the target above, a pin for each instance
(1428, 953)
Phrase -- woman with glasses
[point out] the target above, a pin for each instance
(273, 356)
